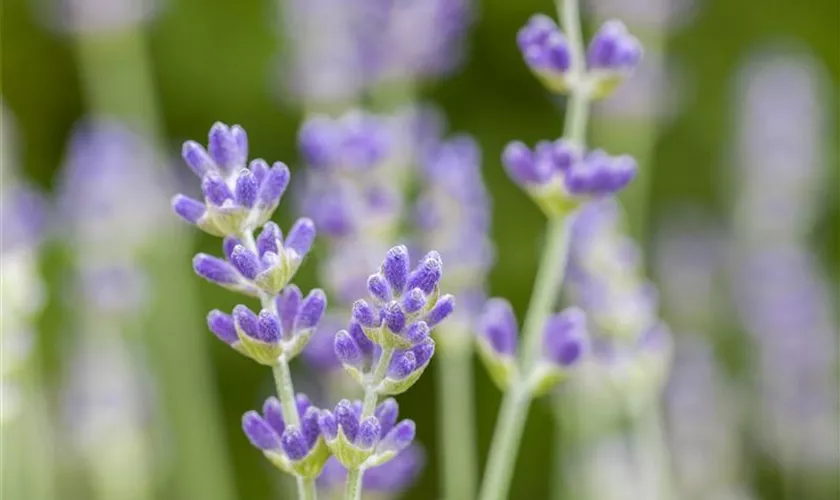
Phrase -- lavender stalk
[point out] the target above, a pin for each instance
(559, 177)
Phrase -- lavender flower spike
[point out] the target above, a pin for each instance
(560, 178)
(365, 442)
(238, 197)
(298, 450)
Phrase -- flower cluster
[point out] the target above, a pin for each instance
(362, 442)
(560, 177)
(296, 449)
(406, 305)
(613, 53)
(565, 341)
(386, 346)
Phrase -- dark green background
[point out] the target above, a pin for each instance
(217, 60)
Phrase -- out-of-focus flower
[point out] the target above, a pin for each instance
(777, 283)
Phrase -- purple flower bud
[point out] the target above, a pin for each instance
(274, 185)
(246, 189)
(443, 308)
(395, 268)
(229, 244)
(498, 327)
(224, 148)
(379, 288)
(387, 413)
(518, 161)
(427, 274)
(215, 190)
(402, 364)
(247, 321)
(315, 139)
(309, 426)
(269, 327)
(600, 174)
(328, 424)
(222, 326)
(347, 350)
(417, 332)
(302, 403)
(357, 333)
(368, 434)
(400, 436)
(312, 310)
(241, 138)
(215, 269)
(394, 317)
(246, 262)
(187, 208)
(301, 236)
(294, 444)
(288, 305)
(613, 48)
(365, 314)
(347, 419)
(565, 337)
(197, 159)
(273, 414)
(423, 352)
(543, 45)
(413, 301)
(269, 239)
(259, 168)
(259, 432)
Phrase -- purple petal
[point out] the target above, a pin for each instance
(259, 432)
(215, 269)
(301, 236)
(215, 189)
(369, 432)
(347, 420)
(197, 159)
(274, 185)
(222, 326)
(189, 209)
(443, 308)
(379, 288)
(294, 444)
(269, 239)
(498, 326)
(246, 189)
(365, 314)
(328, 424)
(395, 268)
(288, 305)
(269, 327)
(565, 336)
(427, 275)
(312, 310)
(246, 321)
(387, 413)
(273, 414)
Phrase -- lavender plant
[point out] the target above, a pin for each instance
(385, 348)
(560, 176)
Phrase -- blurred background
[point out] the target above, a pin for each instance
(109, 371)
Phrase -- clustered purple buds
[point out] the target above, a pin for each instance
(613, 54)
(560, 177)
(365, 441)
(298, 450)
(565, 342)
(406, 305)
(282, 330)
(238, 197)
(266, 269)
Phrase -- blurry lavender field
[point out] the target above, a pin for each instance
(113, 388)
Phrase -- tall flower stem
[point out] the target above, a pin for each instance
(456, 415)
(517, 399)
(117, 83)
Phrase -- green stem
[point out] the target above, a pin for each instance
(550, 274)
(306, 489)
(456, 417)
(286, 391)
(353, 488)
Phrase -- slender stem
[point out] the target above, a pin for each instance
(353, 488)
(306, 489)
(456, 417)
(286, 391)
(517, 399)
